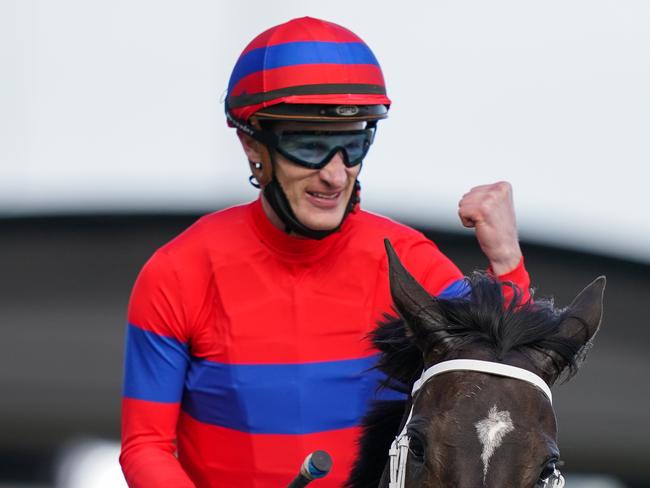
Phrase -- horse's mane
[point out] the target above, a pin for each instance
(484, 318)
(481, 317)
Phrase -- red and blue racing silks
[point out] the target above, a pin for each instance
(247, 348)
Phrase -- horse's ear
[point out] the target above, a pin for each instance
(585, 313)
(416, 306)
(583, 318)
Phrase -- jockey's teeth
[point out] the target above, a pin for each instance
(322, 195)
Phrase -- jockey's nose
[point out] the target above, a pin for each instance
(334, 172)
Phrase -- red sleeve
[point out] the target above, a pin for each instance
(148, 449)
(441, 277)
(156, 360)
(518, 277)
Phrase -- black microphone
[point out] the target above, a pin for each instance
(315, 466)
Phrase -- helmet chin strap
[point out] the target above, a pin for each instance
(280, 204)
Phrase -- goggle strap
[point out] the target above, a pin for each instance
(265, 137)
(269, 138)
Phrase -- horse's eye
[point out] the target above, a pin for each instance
(416, 448)
(547, 472)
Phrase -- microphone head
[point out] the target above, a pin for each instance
(318, 464)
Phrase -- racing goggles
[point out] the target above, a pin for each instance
(315, 148)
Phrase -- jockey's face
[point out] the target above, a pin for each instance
(318, 197)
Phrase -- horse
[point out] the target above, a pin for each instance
(481, 415)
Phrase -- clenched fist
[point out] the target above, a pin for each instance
(490, 210)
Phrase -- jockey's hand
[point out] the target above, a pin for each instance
(490, 210)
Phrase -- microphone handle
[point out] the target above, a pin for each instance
(315, 466)
(300, 481)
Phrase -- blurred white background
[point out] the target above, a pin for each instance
(115, 106)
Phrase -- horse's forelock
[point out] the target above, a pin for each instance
(483, 318)
(486, 319)
(400, 359)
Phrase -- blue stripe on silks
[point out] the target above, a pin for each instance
(155, 366)
(304, 52)
(282, 398)
(458, 289)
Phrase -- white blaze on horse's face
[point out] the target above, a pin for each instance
(491, 432)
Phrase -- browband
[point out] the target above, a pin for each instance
(489, 367)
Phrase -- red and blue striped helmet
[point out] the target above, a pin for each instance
(307, 69)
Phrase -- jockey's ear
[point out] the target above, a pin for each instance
(416, 306)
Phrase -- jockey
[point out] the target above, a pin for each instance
(246, 342)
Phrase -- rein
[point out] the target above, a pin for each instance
(399, 448)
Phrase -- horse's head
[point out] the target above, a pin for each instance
(470, 428)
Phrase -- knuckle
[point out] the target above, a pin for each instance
(504, 187)
(489, 199)
(485, 206)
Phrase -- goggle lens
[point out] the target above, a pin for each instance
(314, 149)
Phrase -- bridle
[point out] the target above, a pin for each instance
(399, 448)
